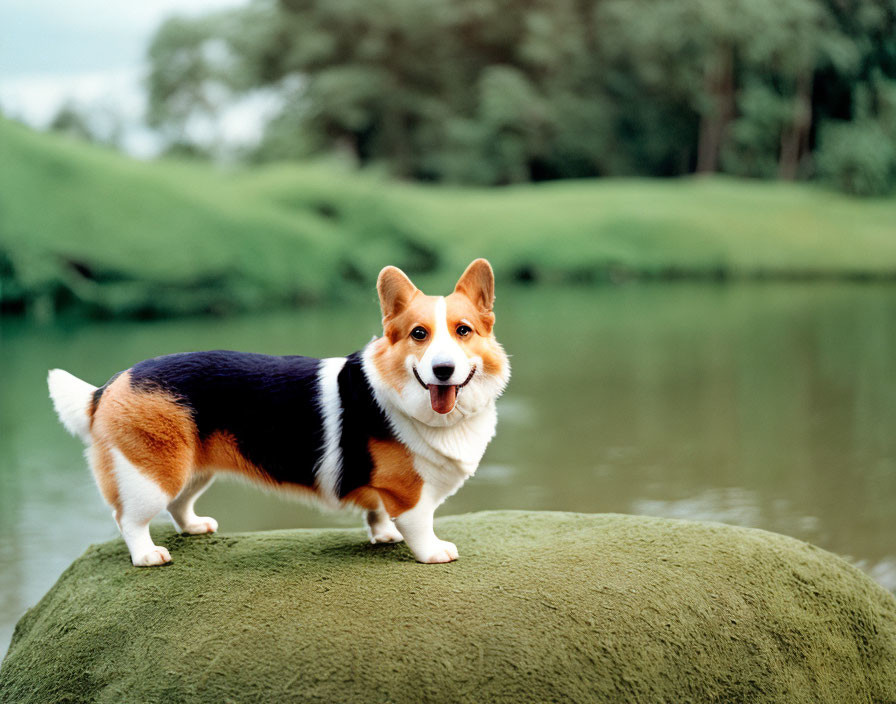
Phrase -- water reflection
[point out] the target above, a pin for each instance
(764, 405)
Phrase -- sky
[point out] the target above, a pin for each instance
(91, 53)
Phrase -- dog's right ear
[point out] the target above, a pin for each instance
(395, 290)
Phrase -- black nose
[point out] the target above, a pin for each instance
(443, 371)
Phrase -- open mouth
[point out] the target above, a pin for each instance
(443, 396)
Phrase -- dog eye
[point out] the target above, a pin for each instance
(419, 333)
(464, 330)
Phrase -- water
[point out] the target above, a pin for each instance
(761, 405)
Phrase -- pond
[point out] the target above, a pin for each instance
(765, 405)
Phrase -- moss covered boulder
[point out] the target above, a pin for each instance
(541, 607)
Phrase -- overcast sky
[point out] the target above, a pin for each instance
(90, 52)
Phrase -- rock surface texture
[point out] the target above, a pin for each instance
(541, 607)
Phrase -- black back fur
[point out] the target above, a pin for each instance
(270, 405)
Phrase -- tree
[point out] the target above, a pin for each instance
(499, 91)
(98, 124)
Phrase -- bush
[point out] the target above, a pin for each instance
(857, 157)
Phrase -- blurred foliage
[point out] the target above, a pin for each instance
(71, 121)
(504, 91)
(128, 238)
(858, 157)
(97, 125)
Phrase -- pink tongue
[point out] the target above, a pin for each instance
(442, 398)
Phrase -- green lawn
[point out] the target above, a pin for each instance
(85, 227)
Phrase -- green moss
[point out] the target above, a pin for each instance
(541, 607)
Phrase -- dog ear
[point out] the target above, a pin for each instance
(395, 290)
(478, 284)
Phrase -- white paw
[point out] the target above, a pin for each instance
(388, 534)
(443, 551)
(202, 524)
(157, 556)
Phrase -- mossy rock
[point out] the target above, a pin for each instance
(541, 607)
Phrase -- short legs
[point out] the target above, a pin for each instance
(416, 527)
(140, 499)
(381, 528)
(181, 508)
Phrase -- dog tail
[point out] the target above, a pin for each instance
(73, 401)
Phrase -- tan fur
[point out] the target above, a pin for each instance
(151, 429)
(393, 481)
(461, 309)
(159, 437)
(477, 284)
(395, 291)
(392, 349)
(104, 472)
(220, 451)
(405, 307)
(365, 497)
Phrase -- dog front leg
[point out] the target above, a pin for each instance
(416, 527)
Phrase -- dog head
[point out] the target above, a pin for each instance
(438, 359)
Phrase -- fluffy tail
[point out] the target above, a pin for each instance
(72, 399)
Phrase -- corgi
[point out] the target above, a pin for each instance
(393, 429)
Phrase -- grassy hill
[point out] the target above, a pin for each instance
(85, 228)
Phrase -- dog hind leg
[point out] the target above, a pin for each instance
(141, 499)
(181, 509)
(381, 528)
(101, 462)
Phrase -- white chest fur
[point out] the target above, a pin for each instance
(446, 456)
(447, 449)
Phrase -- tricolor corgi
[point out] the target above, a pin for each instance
(393, 429)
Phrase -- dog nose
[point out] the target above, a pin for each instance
(443, 371)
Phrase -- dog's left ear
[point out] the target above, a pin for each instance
(478, 284)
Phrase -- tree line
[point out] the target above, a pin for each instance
(506, 91)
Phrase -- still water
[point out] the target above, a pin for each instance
(761, 405)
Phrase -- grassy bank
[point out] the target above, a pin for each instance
(87, 228)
